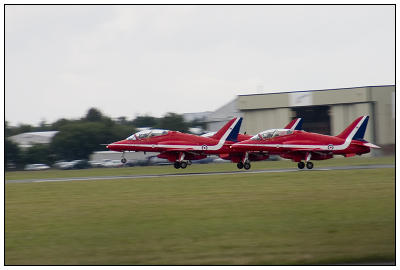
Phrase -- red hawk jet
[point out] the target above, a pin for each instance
(240, 157)
(178, 147)
(299, 145)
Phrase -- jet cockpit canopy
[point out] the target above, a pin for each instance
(271, 133)
(148, 133)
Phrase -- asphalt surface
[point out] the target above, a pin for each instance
(361, 167)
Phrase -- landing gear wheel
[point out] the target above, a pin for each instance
(183, 164)
(300, 165)
(177, 164)
(247, 165)
(240, 165)
(309, 165)
(123, 160)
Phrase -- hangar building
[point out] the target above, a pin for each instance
(222, 115)
(327, 111)
(28, 139)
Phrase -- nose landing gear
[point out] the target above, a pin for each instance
(123, 159)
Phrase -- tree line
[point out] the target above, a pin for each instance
(79, 138)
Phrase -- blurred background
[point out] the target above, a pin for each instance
(81, 76)
(78, 77)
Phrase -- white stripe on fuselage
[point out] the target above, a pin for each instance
(317, 147)
(190, 147)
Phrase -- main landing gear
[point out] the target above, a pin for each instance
(123, 159)
(246, 165)
(182, 164)
(300, 165)
(309, 165)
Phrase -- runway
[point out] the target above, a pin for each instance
(97, 178)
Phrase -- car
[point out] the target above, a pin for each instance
(36, 167)
(61, 164)
(108, 163)
(70, 165)
(96, 164)
(80, 164)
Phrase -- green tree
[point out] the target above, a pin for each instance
(43, 126)
(7, 129)
(122, 120)
(38, 153)
(12, 153)
(79, 139)
(173, 121)
(145, 121)
(22, 128)
(93, 115)
(57, 125)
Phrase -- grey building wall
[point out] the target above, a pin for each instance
(342, 115)
(384, 113)
(255, 121)
(317, 97)
(222, 115)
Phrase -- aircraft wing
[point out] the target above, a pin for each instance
(179, 150)
(295, 149)
(184, 150)
(296, 146)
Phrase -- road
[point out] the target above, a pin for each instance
(361, 167)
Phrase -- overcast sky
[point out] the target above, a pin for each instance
(137, 60)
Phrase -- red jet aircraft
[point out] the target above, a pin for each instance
(178, 147)
(299, 145)
(241, 157)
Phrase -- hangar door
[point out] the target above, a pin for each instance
(315, 118)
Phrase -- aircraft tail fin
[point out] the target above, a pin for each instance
(295, 124)
(230, 131)
(356, 130)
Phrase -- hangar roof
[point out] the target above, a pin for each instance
(312, 90)
(27, 139)
(312, 97)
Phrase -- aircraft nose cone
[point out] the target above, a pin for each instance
(110, 146)
(115, 146)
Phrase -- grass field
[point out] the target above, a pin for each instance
(212, 167)
(311, 217)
